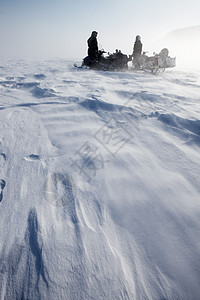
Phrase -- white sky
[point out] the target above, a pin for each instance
(61, 28)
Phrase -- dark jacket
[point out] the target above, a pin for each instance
(137, 49)
(92, 48)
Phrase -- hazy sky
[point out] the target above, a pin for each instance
(61, 28)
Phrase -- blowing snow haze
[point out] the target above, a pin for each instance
(184, 43)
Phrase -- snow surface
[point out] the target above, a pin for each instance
(99, 183)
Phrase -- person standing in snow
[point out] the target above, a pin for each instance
(93, 46)
(137, 50)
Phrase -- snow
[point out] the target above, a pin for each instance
(99, 183)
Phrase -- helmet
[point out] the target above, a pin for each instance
(138, 37)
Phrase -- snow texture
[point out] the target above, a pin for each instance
(99, 183)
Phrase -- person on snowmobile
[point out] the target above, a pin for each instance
(137, 50)
(93, 46)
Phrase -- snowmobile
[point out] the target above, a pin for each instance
(119, 62)
(154, 64)
(112, 62)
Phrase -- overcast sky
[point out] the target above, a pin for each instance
(60, 28)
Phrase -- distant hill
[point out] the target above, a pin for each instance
(185, 33)
(184, 43)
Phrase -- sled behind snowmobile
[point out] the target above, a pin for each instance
(156, 63)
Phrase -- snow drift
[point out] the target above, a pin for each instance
(99, 183)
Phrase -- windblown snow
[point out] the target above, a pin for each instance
(99, 183)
